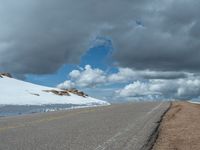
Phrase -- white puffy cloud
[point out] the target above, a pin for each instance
(123, 75)
(137, 89)
(88, 77)
(75, 74)
(183, 89)
(66, 85)
(189, 88)
(92, 77)
(141, 85)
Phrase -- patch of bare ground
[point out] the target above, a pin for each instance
(180, 128)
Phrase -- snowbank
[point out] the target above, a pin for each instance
(16, 92)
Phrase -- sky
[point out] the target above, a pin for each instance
(130, 50)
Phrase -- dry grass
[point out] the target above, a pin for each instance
(180, 129)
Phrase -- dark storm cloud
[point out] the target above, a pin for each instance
(39, 36)
(168, 40)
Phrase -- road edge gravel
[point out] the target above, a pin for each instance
(155, 132)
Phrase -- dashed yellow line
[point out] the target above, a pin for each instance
(47, 119)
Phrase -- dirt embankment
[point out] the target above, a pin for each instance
(180, 129)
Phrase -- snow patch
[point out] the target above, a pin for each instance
(16, 92)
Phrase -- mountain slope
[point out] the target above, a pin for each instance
(16, 92)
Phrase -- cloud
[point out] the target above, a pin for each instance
(87, 77)
(75, 74)
(182, 89)
(139, 85)
(66, 85)
(40, 36)
(167, 41)
(37, 37)
(93, 77)
(137, 89)
(189, 89)
(155, 42)
(128, 74)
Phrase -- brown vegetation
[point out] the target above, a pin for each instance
(180, 129)
(77, 92)
(61, 93)
(67, 92)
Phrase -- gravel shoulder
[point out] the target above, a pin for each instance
(180, 128)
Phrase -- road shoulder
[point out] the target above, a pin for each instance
(180, 128)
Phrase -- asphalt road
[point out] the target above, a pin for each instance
(114, 127)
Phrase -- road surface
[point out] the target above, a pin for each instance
(114, 127)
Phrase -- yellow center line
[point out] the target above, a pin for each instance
(47, 119)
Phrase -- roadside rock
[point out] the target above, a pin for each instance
(5, 74)
(67, 92)
(77, 92)
(60, 93)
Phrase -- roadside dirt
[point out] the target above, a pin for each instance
(180, 128)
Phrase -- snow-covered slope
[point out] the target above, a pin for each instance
(16, 92)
